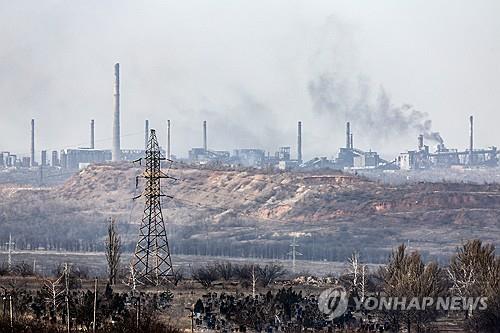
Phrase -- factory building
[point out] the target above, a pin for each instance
(253, 158)
(367, 160)
(81, 157)
(443, 157)
(43, 158)
(55, 159)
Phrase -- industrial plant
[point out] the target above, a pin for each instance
(348, 157)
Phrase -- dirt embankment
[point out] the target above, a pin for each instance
(336, 212)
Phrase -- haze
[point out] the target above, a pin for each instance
(247, 67)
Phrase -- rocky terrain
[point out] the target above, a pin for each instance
(251, 213)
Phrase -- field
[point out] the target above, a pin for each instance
(95, 262)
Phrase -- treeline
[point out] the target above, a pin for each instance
(84, 236)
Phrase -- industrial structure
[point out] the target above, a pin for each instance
(116, 154)
(348, 157)
(152, 264)
(442, 157)
(92, 134)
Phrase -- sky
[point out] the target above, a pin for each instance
(252, 69)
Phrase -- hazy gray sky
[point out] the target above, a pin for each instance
(251, 69)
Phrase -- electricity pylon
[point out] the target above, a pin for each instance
(151, 263)
(294, 253)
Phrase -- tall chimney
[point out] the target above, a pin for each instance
(146, 134)
(299, 142)
(92, 134)
(168, 139)
(116, 152)
(205, 135)
(471, 147)
(348, 135)
(32, 150)
(420, 142)
(350, 142)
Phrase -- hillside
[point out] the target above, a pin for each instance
(236, 213)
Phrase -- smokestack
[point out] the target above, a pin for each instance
(116, 152)
(299, 142)
(205, 135)
(44, 158)
(348, 135)
(92, 134)
(471, 147)
(168, 139)
(420, 142)
(32, 150)
(350, 142)
(146, 134)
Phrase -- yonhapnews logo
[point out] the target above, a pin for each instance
(333, 302)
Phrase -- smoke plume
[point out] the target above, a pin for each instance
(379, 118)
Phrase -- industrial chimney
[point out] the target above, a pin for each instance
(168, 139)
(420, 142)
(299, 142)
(471, 147)
(32, 150)
(116, 152)
(146, 134)
(348, 135)
(205, 135)
(351, 142)
(92, 134)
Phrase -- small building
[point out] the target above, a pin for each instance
(55, 159)
(253, 158)
(85, 155)
(283, 154)
(369, 159)
(288, 165)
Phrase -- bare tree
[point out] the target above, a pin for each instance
(66, 292)
(225, 270)
(205, 275)
(53, 293)
(363, 282)
(270, 273)
(354, 269)
(254, 281)
(469, 268)
(407, 276)
(113, 251)
(475, 272)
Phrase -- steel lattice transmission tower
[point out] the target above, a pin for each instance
(151, 263)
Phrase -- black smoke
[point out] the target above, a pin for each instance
(378, 118)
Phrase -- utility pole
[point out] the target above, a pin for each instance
(146, 133)
(294, 253)
(152, 263)
(66, 278)
(168, 140)
(95, 305)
